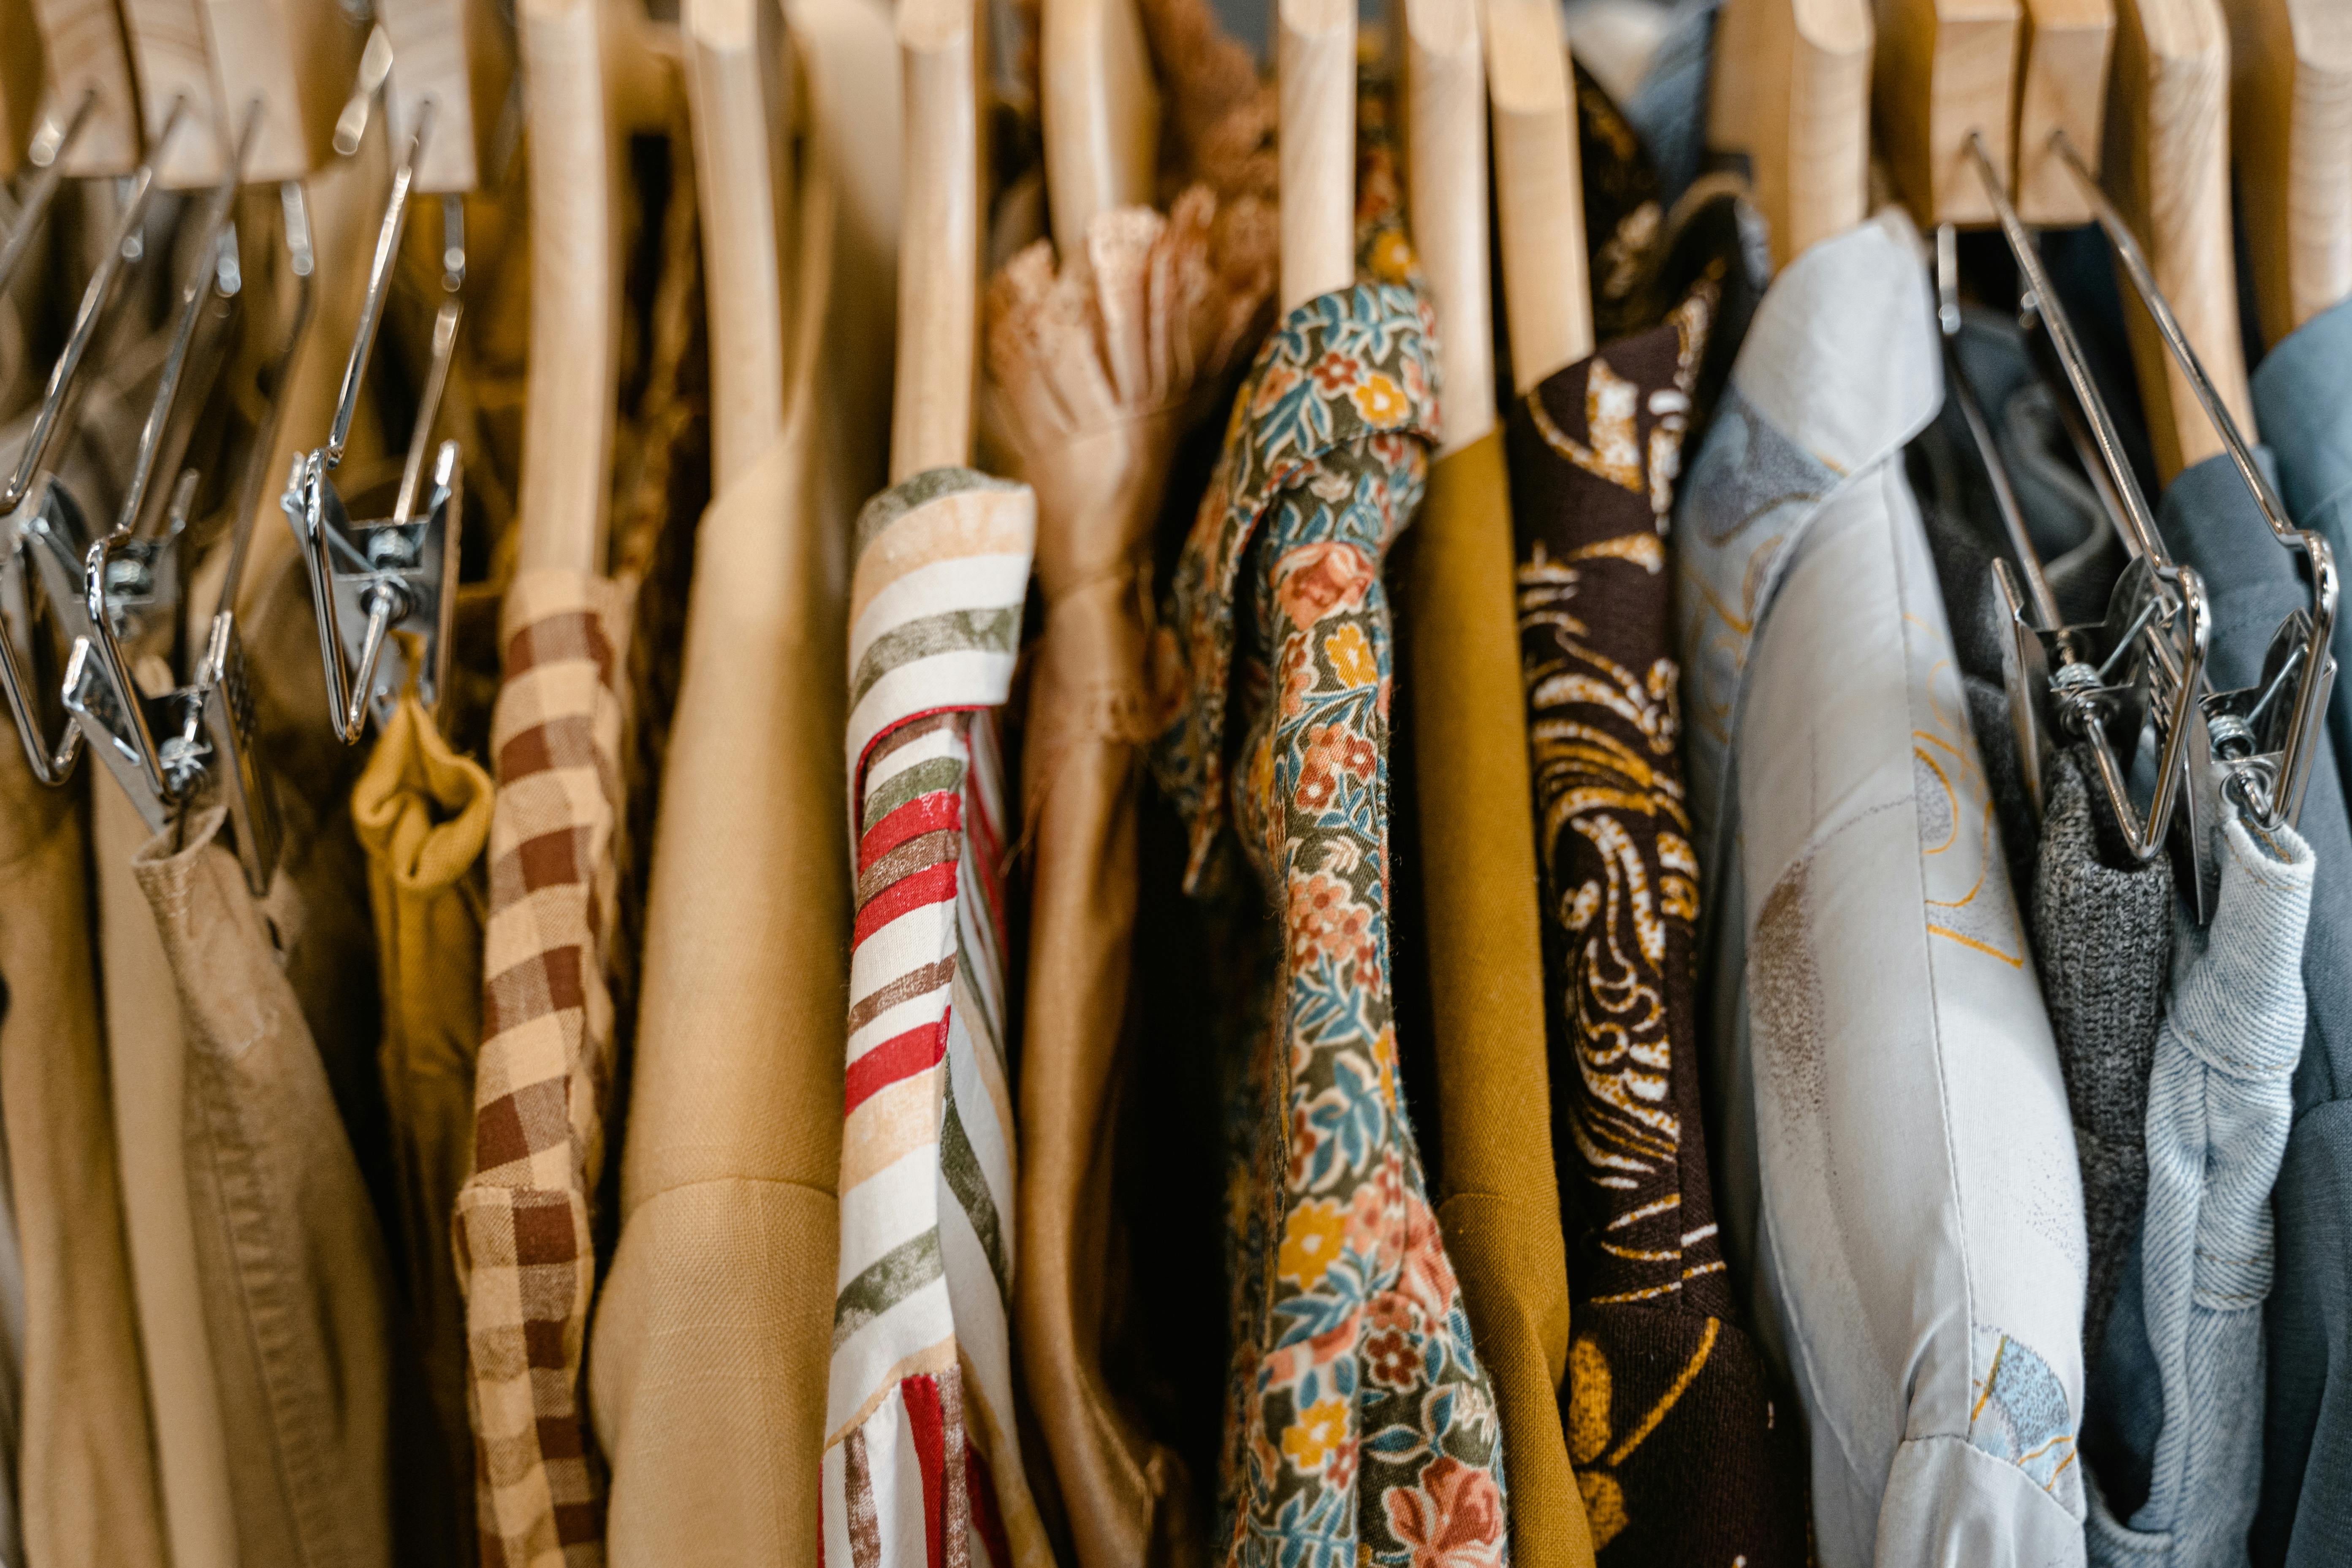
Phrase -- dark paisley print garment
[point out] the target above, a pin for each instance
(1360, 1427)
(1669, 1420)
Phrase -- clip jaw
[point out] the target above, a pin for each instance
(385, 609)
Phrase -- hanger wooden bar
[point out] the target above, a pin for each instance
(1316, 65)
(938, 240)
(2167, 112)
(1943, 69)
(575, 287)
(1445, 179)
(169, 51)
(299, 60)
(1539, 191)
(454, 55)
(82, 49)
(1799, 106)
(732, 49)
(2291, 111)
(2062, 86)
(1101, 113)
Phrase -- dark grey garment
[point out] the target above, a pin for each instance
(2210, 522)
(2080, 553)
(2103, 945)
(2303, 401)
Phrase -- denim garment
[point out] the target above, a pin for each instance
(2209, 522)
(1898, 1186)
(2305, 1519)
(2219, 1102)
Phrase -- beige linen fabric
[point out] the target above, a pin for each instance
(707, 1376)
(295, 1290)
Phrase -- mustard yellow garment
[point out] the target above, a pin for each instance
(1498, 1196)
(423, 813)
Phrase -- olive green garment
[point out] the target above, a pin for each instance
(1497, 1194)
(423, 813)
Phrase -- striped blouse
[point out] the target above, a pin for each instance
(921, 1465)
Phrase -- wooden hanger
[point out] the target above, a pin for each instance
(938, 238)
(1101, 113)
(2291, 111)
(736, 69)
(1446, 178)
(298, 59)
(1316, 70)
(1795, 97)
(572, 381)
(454, 55)
(1941, 69)
(2062, 86)
(2167, 112)
(173, 62)
(84, 57)
(1539, 191)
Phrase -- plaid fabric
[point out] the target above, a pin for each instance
(543, 1086)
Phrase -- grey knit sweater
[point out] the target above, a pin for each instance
(2103, 943)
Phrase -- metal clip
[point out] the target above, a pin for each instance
(2130, 679)
(2265, 745)
(386, 593)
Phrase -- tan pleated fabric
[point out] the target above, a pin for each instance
(85, 1482)
(423, 814)
(1498, 1196)
(706, 1368)
(296, 1290)
(1101, 370)
(147, 1059)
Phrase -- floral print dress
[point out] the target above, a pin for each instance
(1360, 1427)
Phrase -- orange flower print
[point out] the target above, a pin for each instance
(1335, 373)
(1350, 653)
(1298, 676)
(1452, 1519)
(1318, 785)
(1338, 745)
(1310, 1442)
(1316, 580)
(1326, 921)
(1311, 1239)
(1381, 402)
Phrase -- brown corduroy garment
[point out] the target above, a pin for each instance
(1679, 1453)
(423, 814)
(707, 1373)
(85, 1483)
(1100, 369)
(297, 1290)
(1497, 1194)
